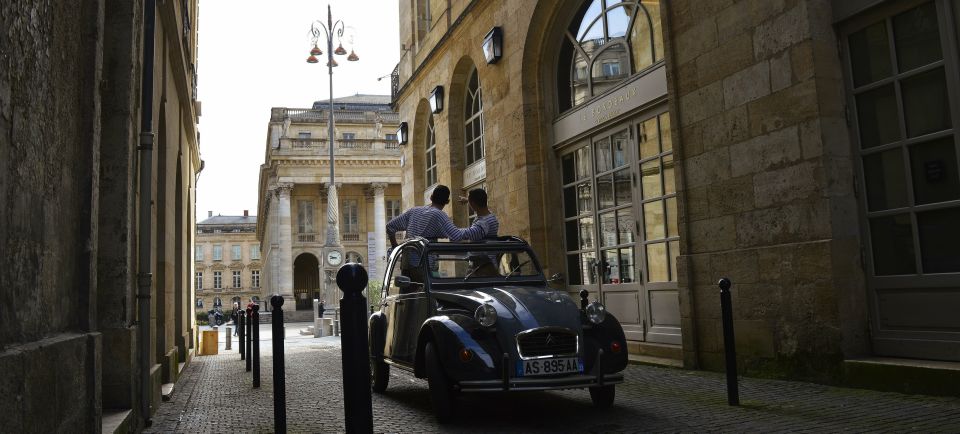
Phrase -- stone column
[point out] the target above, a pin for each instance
(333, 213)
(379, 222)
(285, 241)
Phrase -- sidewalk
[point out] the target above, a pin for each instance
(215, 395)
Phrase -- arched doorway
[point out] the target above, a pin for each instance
(306, 280)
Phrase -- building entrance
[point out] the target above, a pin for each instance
(306, 280)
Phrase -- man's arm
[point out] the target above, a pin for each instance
(451, 231)
(398, 223)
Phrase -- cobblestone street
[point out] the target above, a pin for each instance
(215, 395)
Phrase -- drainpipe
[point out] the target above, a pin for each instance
(144, 276)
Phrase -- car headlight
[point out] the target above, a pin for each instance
(486, 315)
(596, 313)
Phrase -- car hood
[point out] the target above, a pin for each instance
(519, 308)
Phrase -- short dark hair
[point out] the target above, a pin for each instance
(478, 196)
(440, 195)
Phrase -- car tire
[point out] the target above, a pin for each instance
(441, 393)
(379, 374)
(602, 396)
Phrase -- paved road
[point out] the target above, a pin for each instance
(215, 395)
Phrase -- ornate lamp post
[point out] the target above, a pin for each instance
(333, 252)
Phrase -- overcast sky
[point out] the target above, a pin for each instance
(251, 57)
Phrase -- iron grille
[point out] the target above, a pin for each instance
(547, 342)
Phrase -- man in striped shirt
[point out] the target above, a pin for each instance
(477, 198)
(429, 222)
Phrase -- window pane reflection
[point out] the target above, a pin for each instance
(926, 105)
(917, 37)
(605, 191)
(939, 238)
(625, 225)
(934, 169)
(869, 54)
(622, 186)
(608, 229)
(657, 262)
(653, 220)
(650, 179)
(892, 239)
(877, 113)
(649, 138)
(674, 252)
(586, 233)
(885, 179)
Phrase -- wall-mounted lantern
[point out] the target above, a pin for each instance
(493, 45)
(436, 100)
(402, 134)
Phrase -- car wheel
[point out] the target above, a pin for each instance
(441, 394)
(379, 374)
(602, 396)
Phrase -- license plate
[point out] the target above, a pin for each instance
(566, 365)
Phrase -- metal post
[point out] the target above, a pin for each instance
(256, 345)
(229, 338)
(729, 345)
(249, 342)
(357, 402)
(241, 315)
(279, 376)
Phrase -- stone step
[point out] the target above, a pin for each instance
(925, 377)
(166, 391)
(115, 421)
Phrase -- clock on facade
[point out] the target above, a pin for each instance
(334, 257)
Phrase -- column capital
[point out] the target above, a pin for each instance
(283, 189)
(378, 187)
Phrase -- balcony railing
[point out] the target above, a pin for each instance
(307, 115)
(346, 146)
(351, 237)
(306, 238)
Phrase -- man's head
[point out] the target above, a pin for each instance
(440, 196)
(477, 199)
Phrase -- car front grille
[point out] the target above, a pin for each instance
(547, 342)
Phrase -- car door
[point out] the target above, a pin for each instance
(390, 305)
(410, 310)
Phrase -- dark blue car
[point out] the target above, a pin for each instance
(481, 317)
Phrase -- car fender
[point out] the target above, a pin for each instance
(377, 334)
(601, 336)
(450, 333)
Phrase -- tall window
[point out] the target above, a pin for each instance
(236, 278)
(237, 253)
(217, 252)
(424, 19)
(354, 257)
(254, 252)
(610, 39)
(350, 217)
(392, 208)
(217, 279)
(198, 253)
(198, 280)
(303, 135)
(431, 147)
(473, 124)
(305, 216)
(255, 279)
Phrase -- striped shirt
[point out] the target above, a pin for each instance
(430, 222)
(489, 224)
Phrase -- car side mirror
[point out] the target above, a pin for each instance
(556, 278)
(402, 282)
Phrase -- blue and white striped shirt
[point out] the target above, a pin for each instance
(429, 222)
(489, 224)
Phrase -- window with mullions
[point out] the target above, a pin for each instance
(608, 40)
(661, 236)
(198, 280)
(473, 125)
(392, 208)
(304, 216)
(351, 218)
(900, 81)
(236, 278)
(431, 151)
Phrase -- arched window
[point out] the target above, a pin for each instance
(607, 42)
(431, 151)
(473, 121)
(354, 257)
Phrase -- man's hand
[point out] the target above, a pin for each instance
(462, 199)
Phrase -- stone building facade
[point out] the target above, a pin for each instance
(227, 263)
(805, 149)
(294, 179)
(99, 156)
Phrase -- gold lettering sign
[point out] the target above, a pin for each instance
(609, 107)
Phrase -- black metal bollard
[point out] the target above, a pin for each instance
(243, 332)
(279, 376)
(357, 402)
(249, 342)
(729, 345)
(256, 345)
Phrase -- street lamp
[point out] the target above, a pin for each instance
(329, 30)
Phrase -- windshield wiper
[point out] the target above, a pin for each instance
(515, 269)
(470, 273)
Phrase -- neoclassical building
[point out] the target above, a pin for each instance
(806, 149)
(294, 223)
(227, 264)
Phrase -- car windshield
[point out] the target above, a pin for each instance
(500, 264)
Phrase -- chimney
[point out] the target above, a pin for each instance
(246, 213)
(209, 213)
